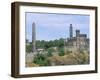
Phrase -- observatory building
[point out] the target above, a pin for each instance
(78, 42)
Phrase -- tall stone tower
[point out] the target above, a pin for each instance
(77, 33)
(33, 38)
(71, 31)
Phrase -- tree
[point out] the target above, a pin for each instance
(29, 48)
(61, 42)
(49, 52)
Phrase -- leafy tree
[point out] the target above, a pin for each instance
(29, 48)
(49, 52)
(61, 42)
(51, 43)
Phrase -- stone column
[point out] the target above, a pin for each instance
(33, 38)
(71, 31)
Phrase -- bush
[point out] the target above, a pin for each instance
(29, 48)
(61, 51)
(49, 52)
(41, 60)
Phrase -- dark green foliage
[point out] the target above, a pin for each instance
(48, 44)
(61, 42)
(40, 44)
(61, 51)
(29, 48)
(45, 44)
(41, 60)
(49, 52)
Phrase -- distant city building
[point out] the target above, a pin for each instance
(79, 42)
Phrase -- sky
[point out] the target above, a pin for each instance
(51, 26)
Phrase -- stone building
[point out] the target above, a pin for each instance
(78, 42)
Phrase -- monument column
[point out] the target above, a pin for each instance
(33, 38)
(71, 31)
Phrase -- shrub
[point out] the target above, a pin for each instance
(29, 48)
(49, 52)
(61, 51)
(41, 60)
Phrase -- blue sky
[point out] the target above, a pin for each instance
(55, 26)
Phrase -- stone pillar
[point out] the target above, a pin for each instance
(71, 31)
(33, 38)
